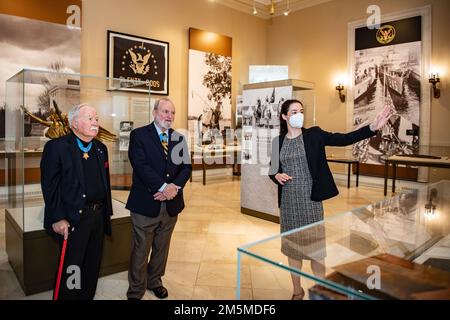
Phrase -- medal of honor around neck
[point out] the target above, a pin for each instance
(84, 149)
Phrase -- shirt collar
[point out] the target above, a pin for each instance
(159, 131)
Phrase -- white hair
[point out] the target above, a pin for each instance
(157, 102)
(73, 113)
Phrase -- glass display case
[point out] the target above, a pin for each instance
(260, 110)
(398, 248)
(37, 103)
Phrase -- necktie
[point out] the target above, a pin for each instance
(164, 143)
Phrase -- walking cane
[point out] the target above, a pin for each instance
(60, 269)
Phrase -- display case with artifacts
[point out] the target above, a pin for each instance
(396, 248)
(37, 104)
(260, 111)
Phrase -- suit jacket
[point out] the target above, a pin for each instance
(63, 185)
(315, 139)
(151, 170)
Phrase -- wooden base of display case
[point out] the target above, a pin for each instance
(34, 255)
(261, 215)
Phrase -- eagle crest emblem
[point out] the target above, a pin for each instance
(386, 34)
(139, 64)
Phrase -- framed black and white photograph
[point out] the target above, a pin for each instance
(35, 40)
(136, 58)
(124, 135)
(126, 126)
(388, 75)
(209, 87)
(388, 65)
(260, 108)
(210, 94)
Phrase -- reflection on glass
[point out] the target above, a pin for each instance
(387, 250)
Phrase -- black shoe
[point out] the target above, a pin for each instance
(160, 292)
(134, 299)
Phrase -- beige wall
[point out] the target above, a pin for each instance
(313, 42)
(169, 21)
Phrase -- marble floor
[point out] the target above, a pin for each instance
(203, 262)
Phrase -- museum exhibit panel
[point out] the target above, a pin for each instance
(37, 103)
(260, 113)
(213, 143)
(397, 248)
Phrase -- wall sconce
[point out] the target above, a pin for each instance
(340, 88)
(434, 80)
(429, 206)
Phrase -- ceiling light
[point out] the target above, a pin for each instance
(288, 10)
(272, 7)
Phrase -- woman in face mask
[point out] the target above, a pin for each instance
(300, 169)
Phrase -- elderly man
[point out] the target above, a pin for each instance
(161, 167)
(76, 188)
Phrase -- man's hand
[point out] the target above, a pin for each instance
(282, 178)
(382, 118)
(62, 227)
(170, 191)
(159, 196)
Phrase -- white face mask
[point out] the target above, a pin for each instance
(296, 120)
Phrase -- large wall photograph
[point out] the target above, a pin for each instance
(387, 71)
(35, 44)
(209, 102)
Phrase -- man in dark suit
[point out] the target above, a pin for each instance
(76, 189)
(161, 167)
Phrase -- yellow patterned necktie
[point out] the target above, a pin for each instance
(165, 143)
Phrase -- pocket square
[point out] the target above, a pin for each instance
(106, 164)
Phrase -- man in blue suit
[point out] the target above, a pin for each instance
(161, 167)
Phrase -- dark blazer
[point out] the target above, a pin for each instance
(151, 170)
(63, 185)
(315, 139)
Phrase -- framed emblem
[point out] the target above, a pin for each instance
(134, 58)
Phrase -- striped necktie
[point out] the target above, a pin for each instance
(165, 143)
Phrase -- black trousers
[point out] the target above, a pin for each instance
(83, 257)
